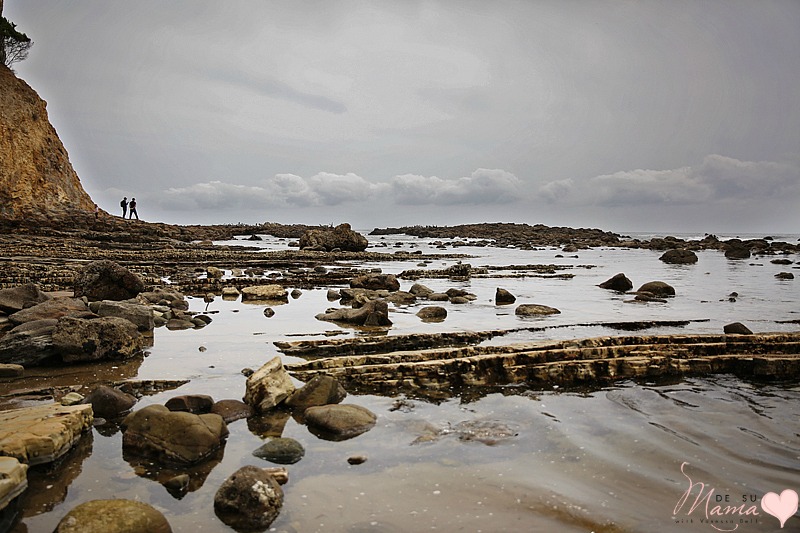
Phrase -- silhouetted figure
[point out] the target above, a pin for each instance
(124, 205)
(132, 206)
(96, 212)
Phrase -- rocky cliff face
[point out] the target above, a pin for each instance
(37, 180)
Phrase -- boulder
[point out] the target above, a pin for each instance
(173, 436)
(54, 309)
(164, 297)
(535, 310)
(11, 371)
(80, 339)
(376, 282)
(659, 289)
(679, 256)
(213, 272)
(29, 344)
(141, 315)
(320, 390)
(339, 422)
(342, 237)
(18, 298)
(106, 280)
(230, 293)
(265, 293)
(250, 499)
(735, 249)
(502, 296)
(191, 403)
(113, 516)
(736, 328)
(401, 298)
(618, 282)
(231, 410)
(281, 450)
(372, 313)
(109, 403)
(432, 313)
(13, 479)
(784, 275)
(268, 386)
(420, 291)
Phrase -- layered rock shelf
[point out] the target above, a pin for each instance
(565, 363)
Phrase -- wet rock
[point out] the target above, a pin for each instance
(50, 309)
(73, 398)
(784, 275)
(658, 289)
(106, 280)
(29, 344)
(502, 296)
(372, 313)
(339, 422)
(320, 390)
(141, 315)
(356, 459)
(269, 312)
(109, 403)
(648, 297)
(438, 297)
(535, 310)
(79, 339)
(173, 436)
(459, 300)
(43, 433)
(432, 313)
(618, 282)
(333, 295)
(176, 324)
(250, 499)
(178, 485)
(165, 297)
(296, 293)
(376, 282)
(231, 410)
(282, 451)
(679, 256)
(191, 403)
(736, 249)
(213, 272)
(737, 328)
(268, 386)
(18, 298)
(420, 291)
(401, 298)
(781, 261)
(265, 293)
(13, 479)
(113, 516)
(342, 237)
(230, 293)
(11, 370)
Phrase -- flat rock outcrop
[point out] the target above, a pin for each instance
(591, 361)
(13, 479)
(42, 434)
(342, 237)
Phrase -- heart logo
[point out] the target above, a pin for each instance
(781, 507)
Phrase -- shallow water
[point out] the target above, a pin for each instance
(607, 459)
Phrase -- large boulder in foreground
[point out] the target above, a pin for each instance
(249, 500)
(342, 237)
(113, 516)
(173, 436)
(106, 280)
(81, 339)
(29, 344)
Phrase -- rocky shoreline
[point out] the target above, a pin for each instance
(92, 294)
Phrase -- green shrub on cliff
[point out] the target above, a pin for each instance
(15, 45)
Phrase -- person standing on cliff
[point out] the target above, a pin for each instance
(124, 205)
(133, 209)
(96, 211)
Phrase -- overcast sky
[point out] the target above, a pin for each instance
(623, 115)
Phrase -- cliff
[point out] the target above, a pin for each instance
(37, 180)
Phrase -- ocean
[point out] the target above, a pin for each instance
(603, 459)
